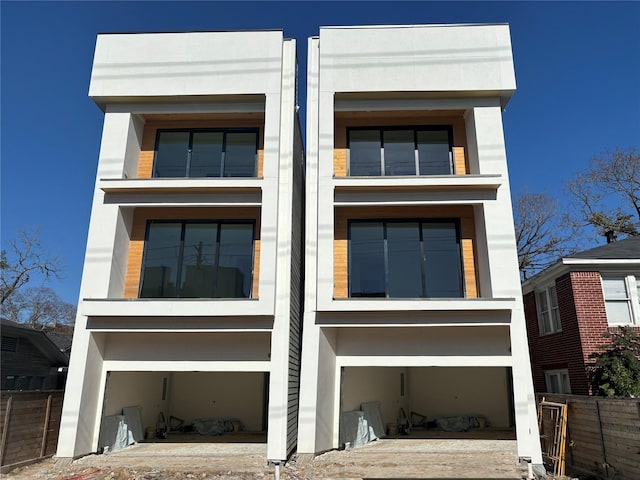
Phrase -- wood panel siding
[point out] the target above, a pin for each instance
(28, 364)
(459, 161)
(340, 244)
(296, 300)
(138, 231)
(603, 434)
(30, 423)
(344, 120)
(147, 150)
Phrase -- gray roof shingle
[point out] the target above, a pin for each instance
(626, 249)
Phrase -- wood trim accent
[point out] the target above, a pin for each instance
(139, 227)
(340, 243)
(343, 120)
(147, 150)
(459, 161)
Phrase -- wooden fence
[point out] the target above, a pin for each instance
(30, 423)
(603, 435)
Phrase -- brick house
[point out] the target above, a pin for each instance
(570, 305)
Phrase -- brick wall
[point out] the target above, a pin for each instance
(589, 305)
(557, 350)
(584, 321)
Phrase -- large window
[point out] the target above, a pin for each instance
(548, 311)
(622, 299)
(206, 153)
(405, 259)
(199, 259)
(400, 151)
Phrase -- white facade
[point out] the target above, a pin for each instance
(193, 80)
(366, 77)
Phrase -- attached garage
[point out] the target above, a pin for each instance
(194, 403)
(432, 392)
(202, 387)
(439, 372)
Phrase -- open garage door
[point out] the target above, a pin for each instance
(196, 407)
(454, 402)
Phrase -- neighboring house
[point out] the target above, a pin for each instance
(62, 337)
(412, 292)
(571, 304)
(30, 359)
(190, 302)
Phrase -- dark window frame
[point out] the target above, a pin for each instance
(178, 275)
(415, 129)
(189, 151)
(420, 222)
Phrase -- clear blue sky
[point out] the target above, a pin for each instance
(577, 69)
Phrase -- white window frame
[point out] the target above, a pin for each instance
(552, 323)
(632, 299)
(562, 378)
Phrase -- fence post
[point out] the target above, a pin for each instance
(604, 450)
(45, 431)
(7, 415)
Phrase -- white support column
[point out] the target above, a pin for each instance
(325, 200)
(505, 279)
(81, 394)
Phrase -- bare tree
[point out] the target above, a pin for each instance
(41, 306)
(542, 234)
(25, 258)
(607, 195)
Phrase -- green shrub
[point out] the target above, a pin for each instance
(616, 369)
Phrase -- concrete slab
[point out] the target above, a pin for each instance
(417, 458)
(383, 459)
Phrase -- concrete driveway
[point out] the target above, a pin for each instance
(387, 458)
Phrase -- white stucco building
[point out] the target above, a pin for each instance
(190, 302)
(412, 292)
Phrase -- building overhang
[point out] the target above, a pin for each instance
(443, 307)
(174, 308)
(449, 189)
(256, 323)
(447, 102)
(402, 318)
(221, 191)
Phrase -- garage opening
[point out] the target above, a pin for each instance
(427, 402)
(184, 407)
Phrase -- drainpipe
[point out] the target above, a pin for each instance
(529, 467)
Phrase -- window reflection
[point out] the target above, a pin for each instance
(206, 153)
(399, 151)
(210, 259)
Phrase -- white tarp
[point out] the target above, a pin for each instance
(133, 418)
(354, 429)
(114, 433)
(373, 415)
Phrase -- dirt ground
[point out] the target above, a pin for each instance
(387, 458)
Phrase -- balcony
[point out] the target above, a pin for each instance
(183, 191)
(173, 307)
(446, 189)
